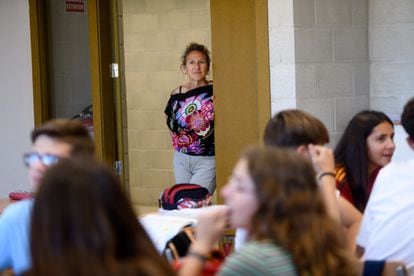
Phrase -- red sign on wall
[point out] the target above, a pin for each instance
(75, 6)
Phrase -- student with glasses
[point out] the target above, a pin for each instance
(83, 224)
(55, 140)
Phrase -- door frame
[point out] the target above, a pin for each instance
(109, 136)
(243, 23)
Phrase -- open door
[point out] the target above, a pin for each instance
(85, 71)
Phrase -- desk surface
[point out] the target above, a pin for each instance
(162, 225)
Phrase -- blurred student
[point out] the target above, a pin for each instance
(273, 194)
(83, 224)
(307, 135)
(55, 140)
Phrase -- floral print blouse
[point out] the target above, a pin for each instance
(190, 118)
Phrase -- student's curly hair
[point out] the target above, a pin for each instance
(194, 46)
(292, 213)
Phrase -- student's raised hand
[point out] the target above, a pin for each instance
(210, 226)
(322, 158)
(324, 164)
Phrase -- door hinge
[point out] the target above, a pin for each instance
(114, 70)
(118, 167)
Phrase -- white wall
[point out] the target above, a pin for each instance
(16, 96)
(402, 150)
(71, 83)
(319, 58)
(282, 55)
(391, 52)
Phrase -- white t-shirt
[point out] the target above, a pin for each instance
(387, 228)
(14, 236)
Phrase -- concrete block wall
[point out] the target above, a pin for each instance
(156, 33)
(322, 60)
(16, 96)
(391, 40)
(282, 54)
(331, 45)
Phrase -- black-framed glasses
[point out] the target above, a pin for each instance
(46, 159)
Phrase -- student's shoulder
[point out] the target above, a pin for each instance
(262, 248)
(266, 258)
(17, 211)
(396, 168)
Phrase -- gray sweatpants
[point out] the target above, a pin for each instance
(199, 170)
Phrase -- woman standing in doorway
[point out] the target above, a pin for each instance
(190, 119)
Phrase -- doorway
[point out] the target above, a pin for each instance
(75, 57)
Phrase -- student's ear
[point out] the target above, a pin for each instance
(410, 142)
(302, 150)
